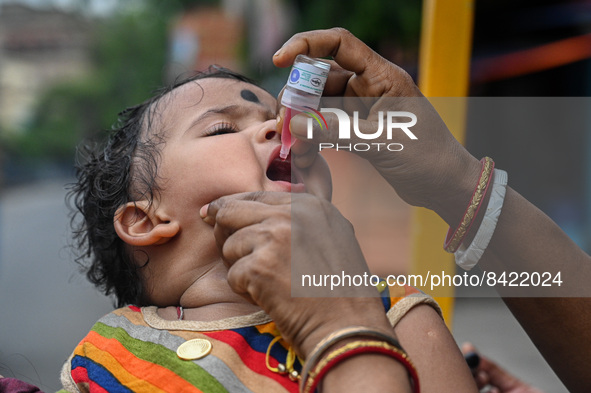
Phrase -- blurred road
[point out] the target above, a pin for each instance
(46, 306)
(490, 326)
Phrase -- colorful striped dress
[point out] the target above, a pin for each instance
(133, 349)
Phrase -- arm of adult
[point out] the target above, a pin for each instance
(527, 240)
(262, 235)
(436, 172)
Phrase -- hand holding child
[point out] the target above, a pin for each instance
(261, 235)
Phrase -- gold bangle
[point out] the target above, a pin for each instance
(451, 245)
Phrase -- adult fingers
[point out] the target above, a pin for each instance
(490, 373)
(374, 75)
(304, 151)
(258, 255)
(482, 379)
(235, 202)
(338, 77)
(304, 154)
(231, 213)
(238, 277)
(474, 361)
(316, 177)
(346, 49)
(238, 245)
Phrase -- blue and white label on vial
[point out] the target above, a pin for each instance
(308, 78)
(295, 75)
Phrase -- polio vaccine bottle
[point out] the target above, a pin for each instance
(302, 92)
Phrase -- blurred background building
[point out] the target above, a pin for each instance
(39, 48)
(67, 67)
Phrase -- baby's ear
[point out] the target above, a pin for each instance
(138, 224)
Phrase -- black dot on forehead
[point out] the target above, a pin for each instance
(249, 96)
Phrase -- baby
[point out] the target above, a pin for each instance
(180, 325)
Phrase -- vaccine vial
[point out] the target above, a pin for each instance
(302, 92)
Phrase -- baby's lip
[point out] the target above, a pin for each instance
(281, 170)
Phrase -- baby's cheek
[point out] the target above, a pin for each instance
(212, 171)
(233, 183)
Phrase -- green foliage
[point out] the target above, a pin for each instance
(64, 113)
(375, 22)
(128, 56)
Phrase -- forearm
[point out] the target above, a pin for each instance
(558, 323)
(525, 239)
(557, 317)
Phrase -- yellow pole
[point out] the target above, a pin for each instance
(444, 71)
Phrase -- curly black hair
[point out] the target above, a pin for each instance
(122, 170)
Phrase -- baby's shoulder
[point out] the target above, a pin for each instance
(123, 318)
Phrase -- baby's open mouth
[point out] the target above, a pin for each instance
(280, 170)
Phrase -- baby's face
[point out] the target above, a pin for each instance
(220, 139)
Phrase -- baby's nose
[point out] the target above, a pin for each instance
(270, 134)
(268, 130)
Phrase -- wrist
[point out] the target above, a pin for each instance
(456, 190)
(316, 336)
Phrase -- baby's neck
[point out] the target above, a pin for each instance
(196, 279)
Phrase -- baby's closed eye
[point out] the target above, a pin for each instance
(220, 129)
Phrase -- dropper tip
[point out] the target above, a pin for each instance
(284, 152)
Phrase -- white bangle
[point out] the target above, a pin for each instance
(467, 258)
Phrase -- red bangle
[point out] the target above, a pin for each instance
(455, 238)
(341, 334)
(356, 348)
